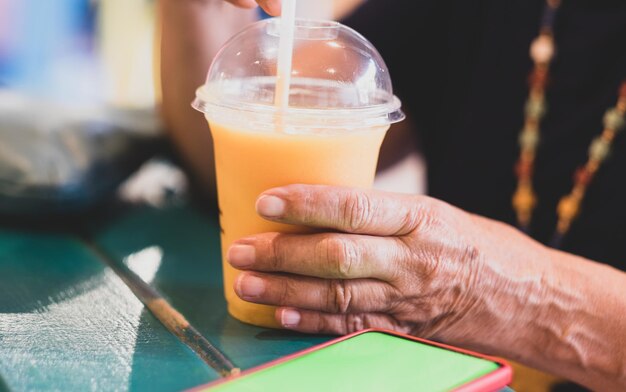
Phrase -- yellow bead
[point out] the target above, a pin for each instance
(524, 201)
(613, 119)
(529, 138)
(524, 198)
(599, 149)
(535, 108)
(569, 207)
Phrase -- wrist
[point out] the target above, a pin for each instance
(564, 318)
(507, 290)
(581, 324)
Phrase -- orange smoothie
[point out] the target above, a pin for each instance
(249, 162)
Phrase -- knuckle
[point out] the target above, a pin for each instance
(320, 324)
(411, 219)
(471, 254)
(395, 300)
(339, 296)
(354, 322)
(288, 293)
(428, 221)
(307, 204)
(341, 254)
(357, 211)
(444, 216)
(323, 325)
(277, 253)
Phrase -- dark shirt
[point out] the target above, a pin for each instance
(461, 69)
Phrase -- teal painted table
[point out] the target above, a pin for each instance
(68, 322)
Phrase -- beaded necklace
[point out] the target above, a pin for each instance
(524, 199)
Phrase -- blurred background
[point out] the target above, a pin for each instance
(77, 101)
(94, 50)
(79, 92)
(79, 50)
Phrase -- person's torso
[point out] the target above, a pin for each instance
(467, 91)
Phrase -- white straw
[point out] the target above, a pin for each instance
(285, 54)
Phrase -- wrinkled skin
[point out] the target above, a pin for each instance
(418, 265)
(409, 263)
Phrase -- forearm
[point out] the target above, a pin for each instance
(192, 31)
(582, 327)
(556, 312)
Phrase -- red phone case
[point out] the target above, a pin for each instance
(491, 382)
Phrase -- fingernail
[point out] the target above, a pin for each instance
(290, 318)
(270, 206)
(240, 256)
(250, 286)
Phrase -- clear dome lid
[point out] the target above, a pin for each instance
(338, 79)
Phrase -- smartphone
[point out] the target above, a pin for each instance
(373, 360)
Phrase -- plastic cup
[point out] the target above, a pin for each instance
(340, 106)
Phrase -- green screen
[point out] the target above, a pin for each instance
(371, 361)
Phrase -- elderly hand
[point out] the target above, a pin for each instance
(408, 263)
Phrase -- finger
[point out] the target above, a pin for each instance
(332, 295)
(346, 209)
(325, 255)
(272, 7)
(243, 3)
(335, 324)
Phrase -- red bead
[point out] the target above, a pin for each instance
(583, 176)
(622, 89)
(523, 169)
(538, 78)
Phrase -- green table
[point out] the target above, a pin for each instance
(68, 322)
